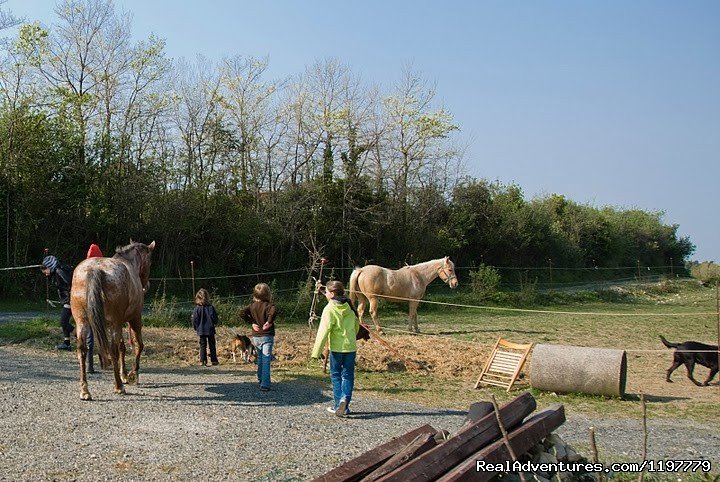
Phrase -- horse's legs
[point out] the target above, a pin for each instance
(115, 354)
(121, 357)
(361, 307)
(373, 313)
(136, 332)
(81, 354)
(412, 322)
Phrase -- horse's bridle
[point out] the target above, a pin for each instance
(448, 277)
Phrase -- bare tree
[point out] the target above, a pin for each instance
(198, 117)
(71, 56)
(247, 98)
(415, 134)
(7, 19)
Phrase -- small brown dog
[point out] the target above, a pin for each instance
(244, 345)
(689, 353)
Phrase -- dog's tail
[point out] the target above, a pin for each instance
(667, 343)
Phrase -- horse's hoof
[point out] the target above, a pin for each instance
(132, 378)
(120, 391)
(85, 396)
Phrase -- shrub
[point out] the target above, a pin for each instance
(163, 312)
(485, 281)
(708, 273)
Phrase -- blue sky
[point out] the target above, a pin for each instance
(608, 103)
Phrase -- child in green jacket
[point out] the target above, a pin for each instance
(339, 326)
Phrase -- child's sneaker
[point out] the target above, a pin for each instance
(340, 410)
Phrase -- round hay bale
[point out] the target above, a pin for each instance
(576, 369)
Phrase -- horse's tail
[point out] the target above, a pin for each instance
(354, 285)
(96, 311)
(667, 343)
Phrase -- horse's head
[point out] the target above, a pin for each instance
(145, 263)
(139, 255)
(447, 272)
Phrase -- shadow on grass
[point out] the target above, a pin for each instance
(633, 397)
(485, 330)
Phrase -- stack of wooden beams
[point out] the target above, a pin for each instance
(425, 454)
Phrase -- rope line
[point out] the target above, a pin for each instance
(21, 267)
(631, 350)
(524, 310)
(230, 276)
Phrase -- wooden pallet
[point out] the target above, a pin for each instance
(504, 365)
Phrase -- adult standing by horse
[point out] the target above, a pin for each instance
(409, 283)
(107, 293)
(61, 276)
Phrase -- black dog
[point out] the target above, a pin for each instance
(689, 353)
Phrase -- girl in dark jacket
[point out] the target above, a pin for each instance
(204, 318)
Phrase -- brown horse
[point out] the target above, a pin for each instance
(405, 284)
(107, 293)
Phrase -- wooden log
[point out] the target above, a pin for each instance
(477, 411)
(420, 445)
(522, 439)
(470, 439)
(365, 463)
(578, 369)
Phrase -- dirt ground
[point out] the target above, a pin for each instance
(441, 356)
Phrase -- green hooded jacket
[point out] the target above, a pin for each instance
(339, 326)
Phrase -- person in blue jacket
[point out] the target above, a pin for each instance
(204, 318)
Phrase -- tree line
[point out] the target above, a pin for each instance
(103, 138)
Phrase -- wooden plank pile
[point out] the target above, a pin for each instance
(426, 454)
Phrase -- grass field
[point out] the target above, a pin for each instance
(458, 334)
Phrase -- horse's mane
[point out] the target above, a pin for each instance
(137, 254)
(424, 263)
(125, 250)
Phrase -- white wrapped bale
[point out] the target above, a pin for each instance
(576, 369)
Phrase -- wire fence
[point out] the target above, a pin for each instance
(295, 280)
(291, 283)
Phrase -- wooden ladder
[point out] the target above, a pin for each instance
(504, 365)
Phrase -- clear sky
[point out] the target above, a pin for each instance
(610, 102)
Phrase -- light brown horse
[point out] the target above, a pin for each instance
(107, 293)
(407, 284)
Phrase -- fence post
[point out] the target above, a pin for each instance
(47, 286)
(192, 274)
(550, 264)
(639, 273)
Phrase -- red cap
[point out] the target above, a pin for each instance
(94, 251)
